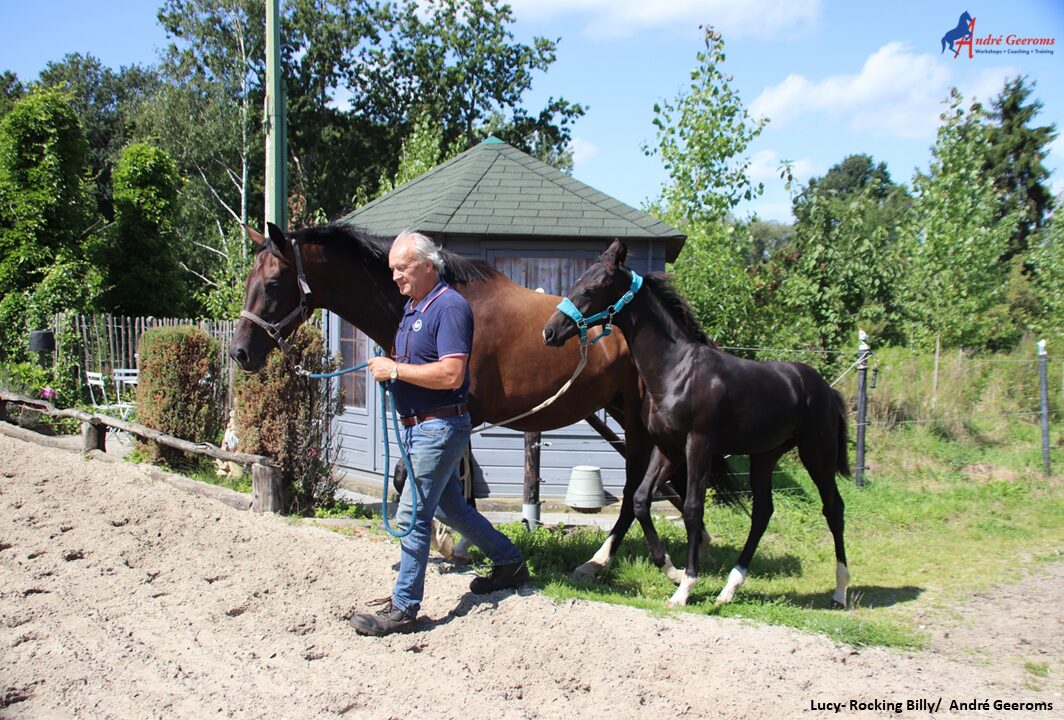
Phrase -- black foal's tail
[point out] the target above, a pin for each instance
(727, 488)
(842, 460)
(725, 484)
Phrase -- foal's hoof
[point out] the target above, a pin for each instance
(836, 605)
(587, 572)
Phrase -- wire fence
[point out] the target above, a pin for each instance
(964, 394)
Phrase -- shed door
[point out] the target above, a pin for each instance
(358, 426)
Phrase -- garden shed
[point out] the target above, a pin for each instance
(541, 228)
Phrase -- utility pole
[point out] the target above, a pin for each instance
(276, 123)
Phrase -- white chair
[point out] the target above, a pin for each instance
(125, 378)
(95, 382)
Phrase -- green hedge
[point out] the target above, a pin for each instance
(289, 417)
(179, 392)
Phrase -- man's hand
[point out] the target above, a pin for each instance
(381, 368)
(445, 374)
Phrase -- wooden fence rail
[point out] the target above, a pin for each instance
(265, 476)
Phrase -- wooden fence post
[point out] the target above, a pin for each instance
(530, 507)
(93, 436)
(266, 491)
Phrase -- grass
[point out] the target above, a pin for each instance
(936, 521)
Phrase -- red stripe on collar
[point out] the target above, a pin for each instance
(433, 298)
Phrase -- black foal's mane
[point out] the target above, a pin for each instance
(374, 249)
(677, 307)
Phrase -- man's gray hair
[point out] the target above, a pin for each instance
(424, 248)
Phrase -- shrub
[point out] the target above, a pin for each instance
(288, 417)
(179, 392)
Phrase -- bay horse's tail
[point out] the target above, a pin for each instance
(842, 459)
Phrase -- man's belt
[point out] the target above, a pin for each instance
(444, 412)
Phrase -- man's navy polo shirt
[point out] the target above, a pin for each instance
(440, 326)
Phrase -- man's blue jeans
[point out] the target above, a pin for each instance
(436, 448)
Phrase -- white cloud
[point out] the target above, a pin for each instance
(583, 151)
(896, 93)
(765, 167)
(621, 18)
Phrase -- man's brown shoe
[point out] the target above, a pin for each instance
(385, 621)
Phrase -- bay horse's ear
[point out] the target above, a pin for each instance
(255, 236)
(615, 254)
(278, 241)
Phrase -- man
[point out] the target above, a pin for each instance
(429, 375)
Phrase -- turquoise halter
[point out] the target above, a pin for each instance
(567, 308)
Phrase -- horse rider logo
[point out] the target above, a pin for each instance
(960, 36)
(417, 324)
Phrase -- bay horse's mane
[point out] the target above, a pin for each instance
(677, 307)
(374, 249)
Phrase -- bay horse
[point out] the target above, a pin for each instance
(342, 269)
(701, 401)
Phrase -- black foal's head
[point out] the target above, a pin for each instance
(600, 286)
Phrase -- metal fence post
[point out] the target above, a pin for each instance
(530, 506)
(863, 351)
(1043, 373)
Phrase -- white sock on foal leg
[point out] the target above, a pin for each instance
(842, 583)
(599, 562)
(679, 598)
(735, 578)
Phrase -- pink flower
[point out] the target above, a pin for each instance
(48, 393)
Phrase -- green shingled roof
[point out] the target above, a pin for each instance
(494, 189)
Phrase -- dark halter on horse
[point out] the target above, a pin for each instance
(276, 330)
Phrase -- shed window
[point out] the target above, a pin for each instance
(353, 350)
(556, 275)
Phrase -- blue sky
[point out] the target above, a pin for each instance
(835, 78)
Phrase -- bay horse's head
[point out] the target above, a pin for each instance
(602, 291)
(275, 304)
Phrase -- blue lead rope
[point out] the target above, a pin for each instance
(411, 479)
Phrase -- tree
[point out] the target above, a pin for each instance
(840, 269)
(1016, 162)
(459, 59)
(104, 101)
(11, 90)
(420, 153)
(1046, 260)
(954, 284)
(845, 180)
(47, 209)
(139, 251)
(207, 117)
(701, 138)
(333, 148)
